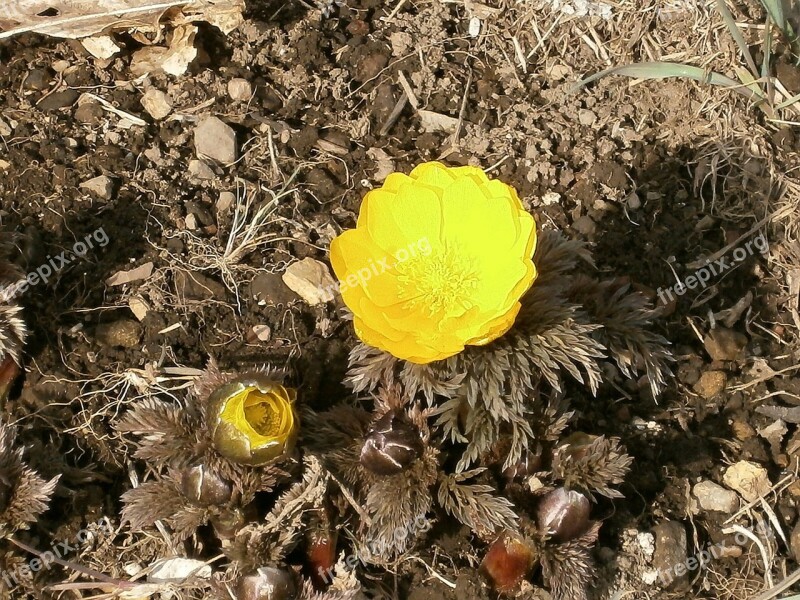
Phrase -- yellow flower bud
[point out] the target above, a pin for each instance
(253, 420)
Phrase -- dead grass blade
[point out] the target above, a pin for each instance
(737, 36)
(662, 70)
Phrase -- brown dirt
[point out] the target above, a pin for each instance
(654, 175)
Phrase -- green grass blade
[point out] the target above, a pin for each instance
(662, 70)
(737, 36)
(775, 10)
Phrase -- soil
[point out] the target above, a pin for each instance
(655, 176)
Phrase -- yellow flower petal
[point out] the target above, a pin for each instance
(400, 221)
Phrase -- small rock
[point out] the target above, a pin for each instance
(262, 332)
(585, 225)
(156, 103)
(225, 201)
(311, 280)
(38, 80)
(670, 558)
(747, 478)
(90, 113)
(240, 89)
(268, 289)
(58, 100)
(101, 186)
(196, 286)
(216, 140)
(124, 333)
(713, 497)
(724, 344)
(586, 117)
(200, 170)
(139, 307)
(688, 373)
(742, 430)
(710, 384)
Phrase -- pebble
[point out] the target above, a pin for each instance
(747, 478)
(724, 344)
(37, 79)
(713, 497)
(101, 186)
(216, 140)
(710, 384)
(196, 286)
(268, 289)
(586, 117)
(240, 89)
(585, 225)
(311, 280)
(156, 103)
(225, 201)
(670, 555)
(200, 170)
(124, 333)
(89, 113)
(58, 100)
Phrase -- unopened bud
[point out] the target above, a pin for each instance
(507, 562)
(527, 465)
(392, 445)
(204, 487)
(563, 515)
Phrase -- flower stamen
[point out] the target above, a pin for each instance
(438, 282)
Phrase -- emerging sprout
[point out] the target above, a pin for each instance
(507, 562)
(530, 463)
(204, 487)
(268, 583)
(253, 420)
(563, 515)
(392, 445)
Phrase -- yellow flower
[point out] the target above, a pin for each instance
(253, 420)
(438, 260)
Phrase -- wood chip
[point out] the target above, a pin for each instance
(122, 277)
(139, 307)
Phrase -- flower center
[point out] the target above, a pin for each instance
(261, 414)
(438, 282)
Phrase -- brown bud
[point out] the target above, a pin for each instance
(392, 445)
(576, 445)
(204, 487)
(563, 515)
(6, 491)
(507, 562)
(228, 523)
(9, 371)
(268, 583)
(321, 553)
(527, 465)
